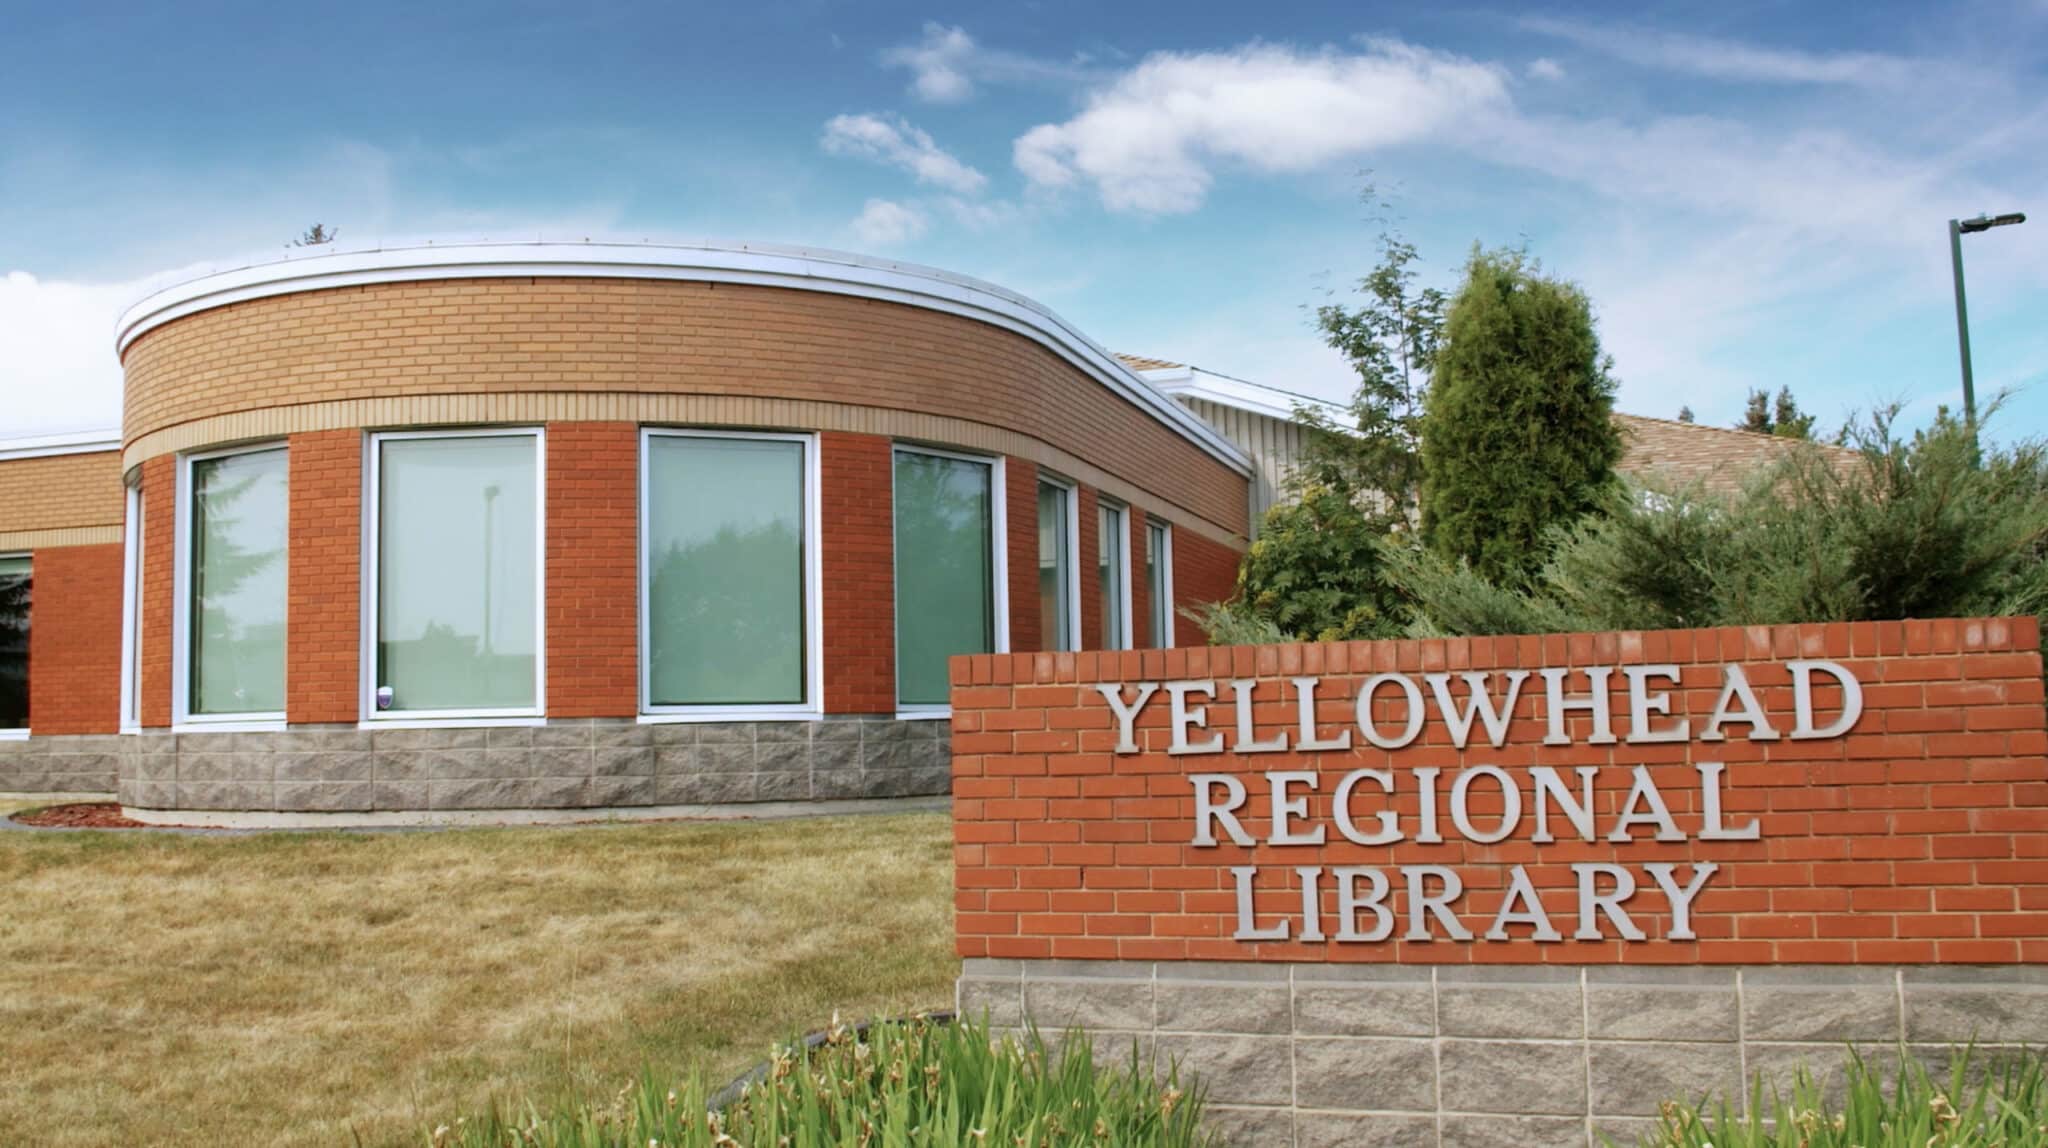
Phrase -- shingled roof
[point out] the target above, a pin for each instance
(1718, 459)
(1669, 453)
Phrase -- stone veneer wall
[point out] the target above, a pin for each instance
(83, 763)
(1386, 1056)
(565, 764)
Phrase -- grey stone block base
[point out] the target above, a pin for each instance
(574, 764)
(76, 763)
(1308, 1056)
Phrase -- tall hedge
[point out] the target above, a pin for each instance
(1518, 434)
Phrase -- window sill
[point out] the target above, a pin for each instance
(254, 725)
(942, 713)
(13, 735)
(731, 715)
(443, 721)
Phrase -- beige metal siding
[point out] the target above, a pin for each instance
(1273, 444)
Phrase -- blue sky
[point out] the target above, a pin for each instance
(1753, 197)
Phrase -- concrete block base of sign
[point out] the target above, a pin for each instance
(580, 765)
(1302, 1056)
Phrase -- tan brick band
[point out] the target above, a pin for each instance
(446, 345)
(694, 410)
(54, 494)
(50, 539)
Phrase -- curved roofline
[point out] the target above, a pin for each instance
(803, 269)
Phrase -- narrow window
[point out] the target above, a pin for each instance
(14, 594)
(1113, 575)
(1159, 581)
(726, 539)
(235, 604)
(1056, 566)
(945, 570)
(131, 612)
(457, 583)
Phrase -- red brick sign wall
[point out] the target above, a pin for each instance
(1870, 793)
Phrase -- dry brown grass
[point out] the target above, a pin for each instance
(287, 989)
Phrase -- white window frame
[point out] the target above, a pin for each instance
(999, 566)
(22, 733)
(131, 613)
(182, 717)
(1126, 625)
(535, 714)
(1163, 641)
(1073, 527)
(814, 629)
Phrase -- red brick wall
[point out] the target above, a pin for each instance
(1203, 571)
(324, 604)
(1921, 835)
(1027, 629)
(593, 605)
(159, 529)
(74, 655)
(860, 573)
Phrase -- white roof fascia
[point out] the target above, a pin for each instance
(51, 445)
(1272, 402)
(766, 265)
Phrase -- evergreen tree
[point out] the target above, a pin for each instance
(1685, 415)
(1518, 433)
(1778, 416)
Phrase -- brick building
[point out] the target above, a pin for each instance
(580, 526)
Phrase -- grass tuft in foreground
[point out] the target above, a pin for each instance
(2005, 1107)
(913, 1084)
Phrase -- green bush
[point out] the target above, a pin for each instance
(1927, 527)
(902, 1084)
(2004, 1108)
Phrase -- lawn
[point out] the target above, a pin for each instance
(292, 989)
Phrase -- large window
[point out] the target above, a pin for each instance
(1159, 581)
(234, 586)
(456, 584)
(1058, 625)
(14, 591)
(1113, 574)
(726, 542)
(946, 577)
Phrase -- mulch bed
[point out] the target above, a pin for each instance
(91, 815)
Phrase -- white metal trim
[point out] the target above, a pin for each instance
(181, 593)
(14, 734)
(797, 268)
(52, 445)
(131, 620)
(366, 702)
(814, 593)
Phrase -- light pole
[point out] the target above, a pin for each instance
(1957, 228)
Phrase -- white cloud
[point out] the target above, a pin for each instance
(1545, 68)
(937, 64)
(896, 142)
(886, 223)
(1729, 59)
(946, 65)
(57, 365)
(1148, 142)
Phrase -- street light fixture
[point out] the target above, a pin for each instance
(1957, 228)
